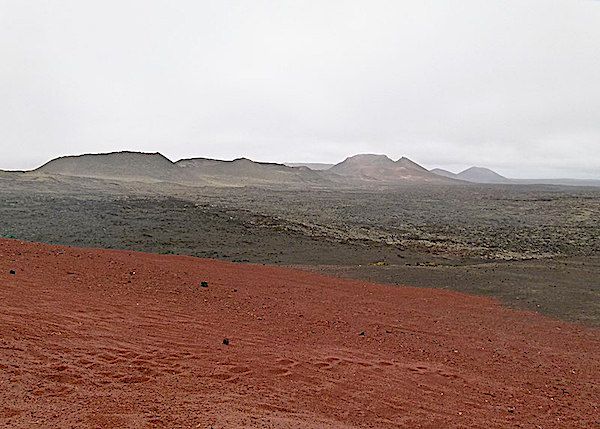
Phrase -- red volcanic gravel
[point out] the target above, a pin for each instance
(116, 339)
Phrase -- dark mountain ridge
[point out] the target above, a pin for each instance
(246, 171)
(362, 170)
(138, 166)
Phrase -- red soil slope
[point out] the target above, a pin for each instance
(93, 338)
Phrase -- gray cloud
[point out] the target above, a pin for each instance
(512, 85)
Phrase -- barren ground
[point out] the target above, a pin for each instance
(533, 247)
(114, 339)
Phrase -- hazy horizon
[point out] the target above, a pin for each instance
(508, 85)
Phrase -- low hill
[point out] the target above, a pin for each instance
(474, 175)
(154, 167)
(364, 165)
(485, 175)
(444, 173)
(381, 169)
(126, 165)
(243, 171)
(481, 175)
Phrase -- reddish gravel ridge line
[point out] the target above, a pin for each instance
(115, 339)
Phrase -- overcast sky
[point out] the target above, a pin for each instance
(511, 85)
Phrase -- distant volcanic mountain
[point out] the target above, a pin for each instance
(244, 171)
(380, 168)
(364, 165)
(474, 175)
(136, 166)
(482, 175)
(358, 171)
(154, 167)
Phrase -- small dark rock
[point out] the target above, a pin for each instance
(13, 272)
(362, 334)
(226, 341)
(203, 284)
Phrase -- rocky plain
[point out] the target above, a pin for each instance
(532, 246)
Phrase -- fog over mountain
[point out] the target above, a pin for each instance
(510, 85)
